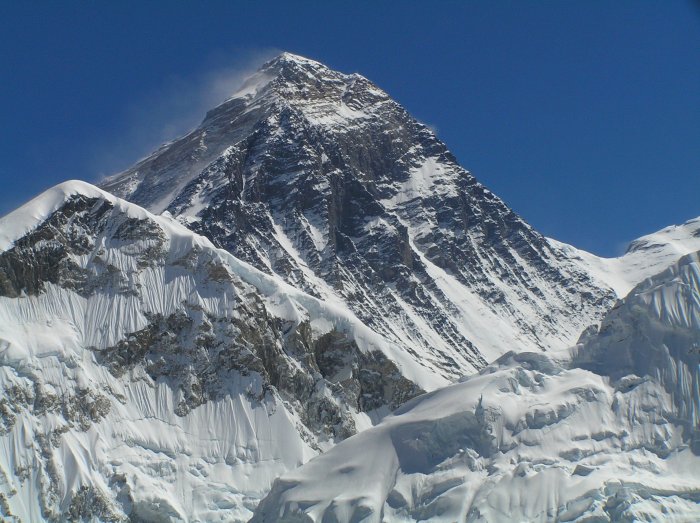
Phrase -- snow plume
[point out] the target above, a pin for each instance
(174, 108)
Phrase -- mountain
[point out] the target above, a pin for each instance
(644, 258)
(322, 179)
(308, 260)
(146, 374)
(610, 434)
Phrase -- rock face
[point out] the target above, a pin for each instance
(137, 362)
(610, 435)
(321, 178)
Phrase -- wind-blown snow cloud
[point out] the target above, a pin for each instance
(170, 111)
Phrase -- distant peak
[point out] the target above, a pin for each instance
(285, 69)
(25, 218)
(292, 58)
(289, 64)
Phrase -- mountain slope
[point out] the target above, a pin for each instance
(644, 258)
(613, 435)
(321, 178)
(145, 373)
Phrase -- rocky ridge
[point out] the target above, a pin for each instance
(322, 179)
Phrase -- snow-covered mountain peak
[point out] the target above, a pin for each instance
(316, 92)
(127, 340)
(322, 179)
(645, 256)
(285, 57)
(286, 62)
(306, 261)
(674, 237)
(285, 70)
(294, 69)
(37, 211)
(300, 82)
(19, 221)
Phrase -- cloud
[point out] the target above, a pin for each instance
(432, 127)
(171, 110)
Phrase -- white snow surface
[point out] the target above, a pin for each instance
(212, 464)
(218, 460)
(534, 439)
(645, 256)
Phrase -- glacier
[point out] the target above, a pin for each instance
(605, 431)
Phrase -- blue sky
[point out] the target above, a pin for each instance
(583, 116)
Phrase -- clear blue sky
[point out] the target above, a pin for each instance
(583, 116)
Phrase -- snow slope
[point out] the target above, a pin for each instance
(645, 256)
(147, 374)
(612, 435)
